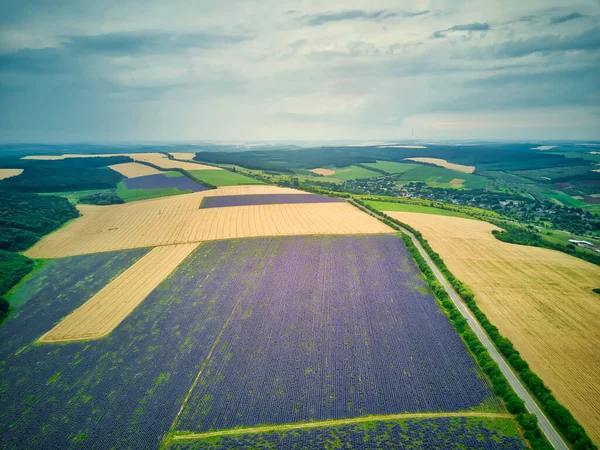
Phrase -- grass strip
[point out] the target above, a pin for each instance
(333, 423)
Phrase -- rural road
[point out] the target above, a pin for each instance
(547, 428)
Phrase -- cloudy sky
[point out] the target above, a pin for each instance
(156, 70)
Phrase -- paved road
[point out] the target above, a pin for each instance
(547, 428)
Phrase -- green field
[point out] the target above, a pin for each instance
(565, 199)
(222, 178)
(441, 177)
(393, 206)
(353, 173)
(131, 195)
(392, 167)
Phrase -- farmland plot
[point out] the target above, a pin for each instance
(122, 391)
(446, 164)
(179, 219)
(8, 173)
(158, 159)
(265, 199)
(540, 299)
(109, 307)
(316, 336)
(161, 180)
(125, 390)
(443, 433)
(132, 170)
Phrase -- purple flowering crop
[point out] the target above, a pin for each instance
(264, 199)
(161, 181)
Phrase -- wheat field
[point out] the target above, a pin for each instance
(111, 305)
(540, 299)
(178, 220)
(8, 173)
(444, 163)
(133, 170)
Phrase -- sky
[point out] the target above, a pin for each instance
(184, 71)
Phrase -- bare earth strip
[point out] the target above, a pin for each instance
(446, 164)
(321, 171)
(540, 299)
(8, 173)
(132, 170)
(158, 159)
(178, 219)
(101, 314)
(336, 423)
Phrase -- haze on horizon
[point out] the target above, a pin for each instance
(134, 70)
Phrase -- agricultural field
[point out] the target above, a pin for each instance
(391, 166)
(321, 171)
(442, 177)
(179, 219)
(158, 185)
(8, 173)
(264, 199)
(407, 207)
(157, 159)
(442, 433)
(247, 332)
(564, 199)
(222, 178)
(443, 163)
(319, 338)
(132, 170)
(354, 173)
(102, 313)
(542, 300)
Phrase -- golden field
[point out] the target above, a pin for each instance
(540, 299)
(8, 173)
(102, 313)
(179, 219)
(133, 170)
(446, 164)
(158, 159)
(321, 171)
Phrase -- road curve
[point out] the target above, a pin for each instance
(545, 425)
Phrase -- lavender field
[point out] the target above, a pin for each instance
(333, 327)
(279, 329)
(162, 181)
(264, 199)
(122, 391)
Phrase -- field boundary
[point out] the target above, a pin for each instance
(334, 423)
(560, 417)
(503, 377)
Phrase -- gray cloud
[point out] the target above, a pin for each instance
(565, 18)
(475, 26)
(315, 20)
(415, 14)
(33, 60)
(74, 47)
(588, 40)
(146, 42)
